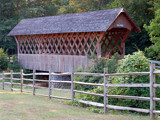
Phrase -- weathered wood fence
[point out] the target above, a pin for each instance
(152, 85)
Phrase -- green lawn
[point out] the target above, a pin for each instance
(22, 106)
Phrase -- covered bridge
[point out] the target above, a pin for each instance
(61, 43)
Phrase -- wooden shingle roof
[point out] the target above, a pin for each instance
(77, 22)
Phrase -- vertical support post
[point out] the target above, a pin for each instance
(72, 86)
(49, 85)
(22, 80)
(98, 49)
(3, 80)
(152, 91)
(123, 49)
(34, 82)
(11, 77)
(105, 91)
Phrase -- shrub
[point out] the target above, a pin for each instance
(136, 62)
(14, 65)
(131, 63)
(3, 60)
(98, 67)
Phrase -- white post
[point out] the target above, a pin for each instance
(152, 91)
(3, 80)
(72, 86)
(49, 85)
(34, 82)
(105, 91)
(22, 80)
(11, 80)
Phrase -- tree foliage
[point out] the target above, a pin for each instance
(12, 11)
(154, 33)
(3, 60)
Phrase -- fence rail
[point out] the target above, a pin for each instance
(152, 85)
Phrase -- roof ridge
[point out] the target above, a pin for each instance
(71, 13)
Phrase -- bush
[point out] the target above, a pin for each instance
(98, 67)
(3, 60)
(136, 62)
(15, 65)
(131, 63)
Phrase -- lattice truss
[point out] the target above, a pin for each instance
(64, 43)
(88, 43)
(113, 42)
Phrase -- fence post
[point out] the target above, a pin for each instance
(105, 91)
(49, 85)
(72, 86)
(34, 82)
(22, 80)
(152, 91)
(11, 80)
(3, 80)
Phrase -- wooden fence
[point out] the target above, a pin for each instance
(152, 85)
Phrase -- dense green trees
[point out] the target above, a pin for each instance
(154, 33)
(11, 12)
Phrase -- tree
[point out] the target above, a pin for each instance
(141, 12)
(154, 33)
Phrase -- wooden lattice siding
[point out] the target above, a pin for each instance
(114, 42)
(61, 44)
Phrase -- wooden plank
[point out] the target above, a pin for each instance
(41, 73)
(128, 108)
(152, 91)
(42, 80)
(156, 99)
(114, 107)
(156, 72)
(91, 103)
(124, 74)
(61, 74)
(53, 81)
(16, 73)
(27, 79)
(94, 94)
(27, 74)
(113, 74)
(156, 85)
(91, 84)
(156, 111)
(7, 73)
(128, 85)
(60, 97)
(129, 97)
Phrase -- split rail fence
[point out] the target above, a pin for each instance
(152, 85)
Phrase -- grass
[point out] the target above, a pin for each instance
(22, 106)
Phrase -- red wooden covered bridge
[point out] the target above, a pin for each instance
(61, 43)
